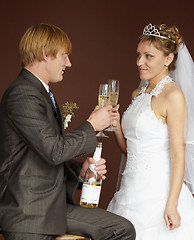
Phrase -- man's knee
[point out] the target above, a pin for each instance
(127, 229)
(131, 232)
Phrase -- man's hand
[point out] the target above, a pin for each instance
(101, 118)
(100, 167)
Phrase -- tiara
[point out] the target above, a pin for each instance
(153, 31)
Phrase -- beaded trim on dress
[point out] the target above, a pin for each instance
(145, 98)
(159, 86)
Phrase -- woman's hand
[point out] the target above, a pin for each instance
(116, 118)
(172, 217)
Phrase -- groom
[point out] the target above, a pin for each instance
(38, 173)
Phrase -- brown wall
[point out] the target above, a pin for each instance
(103, 34)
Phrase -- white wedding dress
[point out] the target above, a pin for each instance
(146, 179)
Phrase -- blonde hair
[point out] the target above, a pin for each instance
(167, 46)
(41, 37)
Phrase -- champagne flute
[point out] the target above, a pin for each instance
(103, 101)
(113, 89)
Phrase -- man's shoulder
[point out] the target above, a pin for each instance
(22, 88)
(25, 81)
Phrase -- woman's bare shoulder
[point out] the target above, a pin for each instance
(135, 93)
(173, 94)
(172, 91)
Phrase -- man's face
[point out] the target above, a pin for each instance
(55, 67)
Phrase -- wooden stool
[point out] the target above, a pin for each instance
(1, 237)
(69, 237)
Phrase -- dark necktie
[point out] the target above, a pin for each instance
(53, 99)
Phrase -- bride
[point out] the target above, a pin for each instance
(153, 194)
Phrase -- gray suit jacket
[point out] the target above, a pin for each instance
(37, 175)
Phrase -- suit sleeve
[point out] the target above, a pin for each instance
(31, 116)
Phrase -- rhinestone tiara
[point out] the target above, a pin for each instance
(153, 31)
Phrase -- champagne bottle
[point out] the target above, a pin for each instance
(91, 188)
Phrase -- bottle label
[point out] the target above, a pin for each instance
(90, 193)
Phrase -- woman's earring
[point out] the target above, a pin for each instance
(167, 67)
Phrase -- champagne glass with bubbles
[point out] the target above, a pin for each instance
(103, 101)
(113, 96)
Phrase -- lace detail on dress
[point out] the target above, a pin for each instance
(134, 163)
(140, 102)
(159, 86)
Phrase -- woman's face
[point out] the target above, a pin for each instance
(151, 62)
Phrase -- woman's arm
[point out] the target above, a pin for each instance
(119, 134)
(175, 119)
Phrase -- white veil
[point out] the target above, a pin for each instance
(183, 76)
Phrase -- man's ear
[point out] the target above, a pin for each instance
(44, 56)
